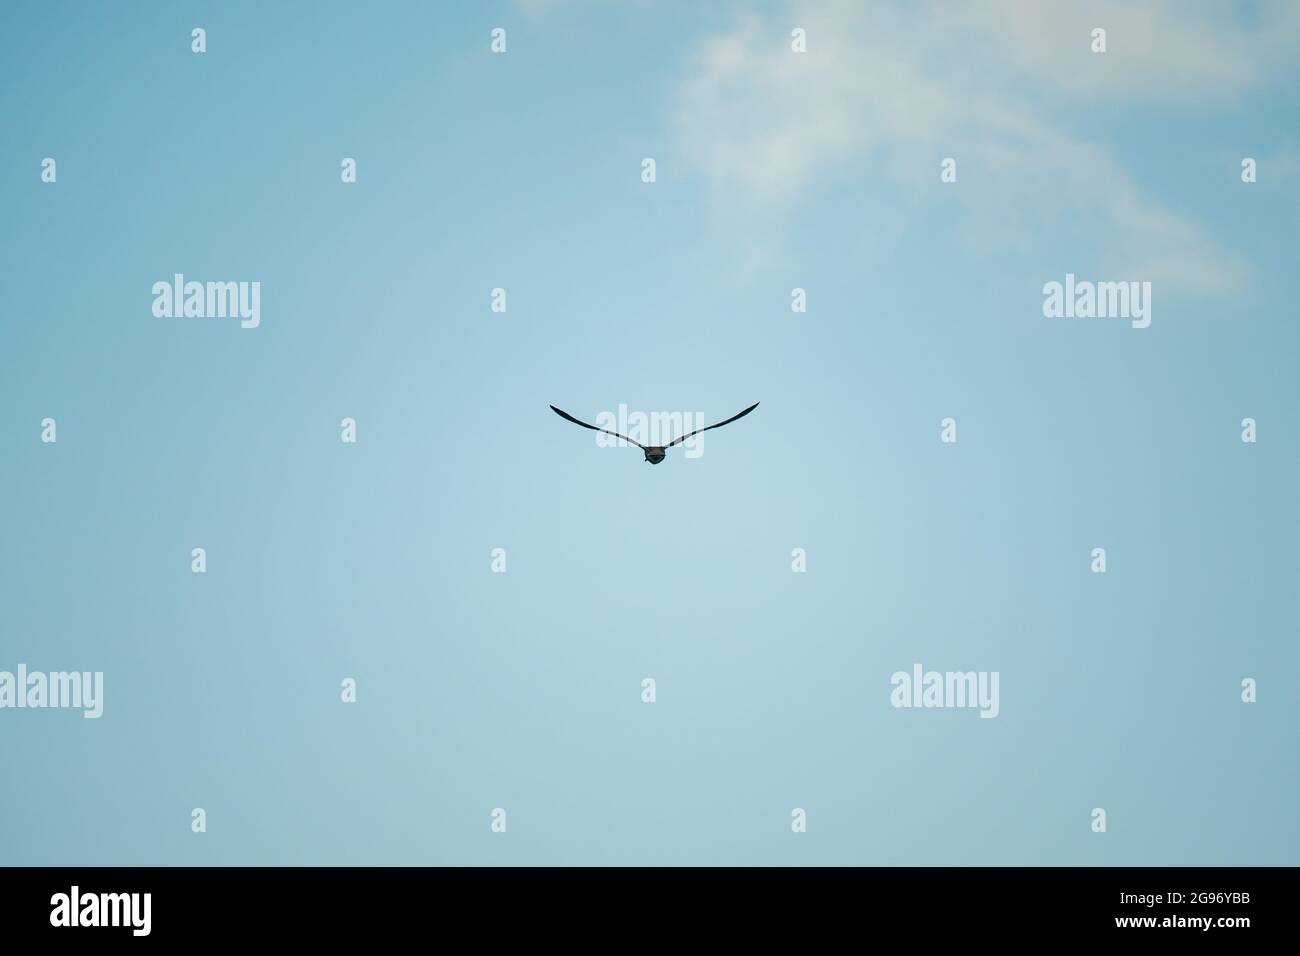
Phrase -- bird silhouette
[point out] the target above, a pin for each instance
(653, 453)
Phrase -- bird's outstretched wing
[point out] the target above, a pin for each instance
(565, 415)
(678, 441)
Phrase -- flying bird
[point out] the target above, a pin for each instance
(653, 453)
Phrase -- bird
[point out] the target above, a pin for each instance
(653, 453)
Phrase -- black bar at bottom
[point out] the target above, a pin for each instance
(643, 906)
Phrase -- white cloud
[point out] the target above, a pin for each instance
(888, 89)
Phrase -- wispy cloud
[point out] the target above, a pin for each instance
(887, 87)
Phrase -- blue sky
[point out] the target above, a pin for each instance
(522, 690)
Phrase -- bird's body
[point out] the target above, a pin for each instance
(653, 453)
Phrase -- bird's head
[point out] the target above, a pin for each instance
(654, 455)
